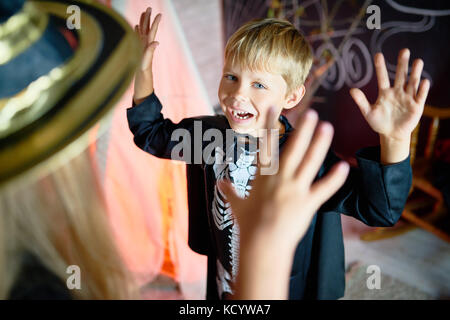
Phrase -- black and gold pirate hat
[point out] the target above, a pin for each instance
(57, 81)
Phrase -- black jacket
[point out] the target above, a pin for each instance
(36, 282)
(373, 193)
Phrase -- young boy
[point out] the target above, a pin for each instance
(266, 63)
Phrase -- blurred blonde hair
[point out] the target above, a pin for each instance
(61, 220)
(271, 45)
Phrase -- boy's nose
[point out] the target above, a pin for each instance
(239, 94)
(236, 101)
(239, 98)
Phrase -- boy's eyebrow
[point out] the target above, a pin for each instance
(261, 79)
(257, 78)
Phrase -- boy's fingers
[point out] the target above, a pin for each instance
(315, 154)
(298, 143)
(141, 20)
(402, 68)
(154, 28)
(361, 101)
(145, 23)
(382, 74)
(414, 78)
(326, 187)
(149, 21)
(423, 92)
(144, 26)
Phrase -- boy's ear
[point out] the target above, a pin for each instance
(295, 97)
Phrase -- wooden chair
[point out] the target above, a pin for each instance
(425, 205)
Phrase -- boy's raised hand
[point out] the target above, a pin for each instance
(398, 109)
(146, 30)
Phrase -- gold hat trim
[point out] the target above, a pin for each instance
(64, 128)
(42, 94)
(20, 31)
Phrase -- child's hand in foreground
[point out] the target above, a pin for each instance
(280, 207)
(398, 109)
(143, 85)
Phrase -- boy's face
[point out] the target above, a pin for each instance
(245, 97)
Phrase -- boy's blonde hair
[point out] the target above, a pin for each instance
(274, 46)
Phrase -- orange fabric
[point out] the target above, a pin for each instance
(166, 193)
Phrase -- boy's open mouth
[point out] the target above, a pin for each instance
(240, 116)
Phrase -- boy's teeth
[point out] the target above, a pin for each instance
(240, 114)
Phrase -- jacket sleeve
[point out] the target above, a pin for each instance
(373, 193)
(159, 136)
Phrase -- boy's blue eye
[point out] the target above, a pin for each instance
(230, 77)
(259, 85)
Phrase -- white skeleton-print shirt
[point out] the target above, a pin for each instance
(240, 174)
